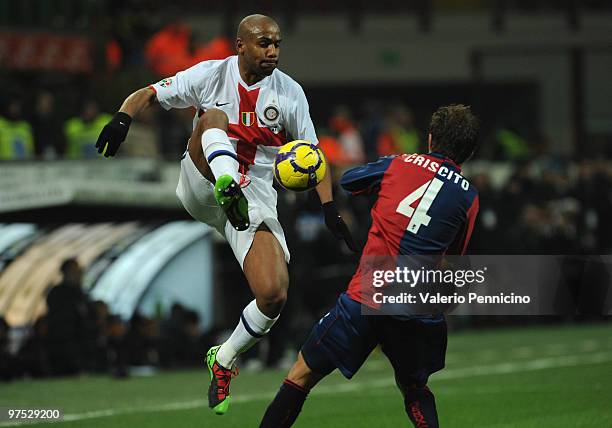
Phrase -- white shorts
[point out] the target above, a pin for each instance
(197, 195)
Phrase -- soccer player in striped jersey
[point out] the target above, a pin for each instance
(424, 207)
(246, 109)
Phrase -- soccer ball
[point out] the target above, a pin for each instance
(299, 166)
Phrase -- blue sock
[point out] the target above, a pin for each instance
(421, 407)
(286, 407)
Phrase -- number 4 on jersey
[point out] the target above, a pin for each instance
(427, 193)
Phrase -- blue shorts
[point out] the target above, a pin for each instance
(344, 338)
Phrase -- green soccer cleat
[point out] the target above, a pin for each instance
(229, 196)
(218, 391)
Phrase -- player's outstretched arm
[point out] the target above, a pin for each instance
(115, 131)
(333, 220)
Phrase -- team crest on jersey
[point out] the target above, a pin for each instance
(248, 118)
(271, 113)
(165, 83)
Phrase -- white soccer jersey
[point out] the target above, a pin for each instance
(262, 117)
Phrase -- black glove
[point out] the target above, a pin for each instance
(113, 134)
(337, 226)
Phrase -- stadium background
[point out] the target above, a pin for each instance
(159, 288)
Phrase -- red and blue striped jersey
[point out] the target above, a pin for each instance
(424, 207)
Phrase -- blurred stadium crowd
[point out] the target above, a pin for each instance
(78, 336)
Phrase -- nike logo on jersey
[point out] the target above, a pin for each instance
(218, 104)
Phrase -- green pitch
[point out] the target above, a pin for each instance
(538, 377)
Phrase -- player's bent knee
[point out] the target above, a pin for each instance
(271, 300)
(302, 375)
(277, 290)
(271, 292)
(213, 118)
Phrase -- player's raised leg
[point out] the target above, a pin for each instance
(216, 159)
(266, 271)
(287, 405)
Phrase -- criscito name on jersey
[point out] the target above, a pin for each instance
(441, 171)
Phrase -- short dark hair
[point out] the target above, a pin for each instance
(68, 264)
(454, 132)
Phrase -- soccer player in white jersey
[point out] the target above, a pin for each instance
(246, 109)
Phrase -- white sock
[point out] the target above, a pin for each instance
(220, 154)
(242, 339)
